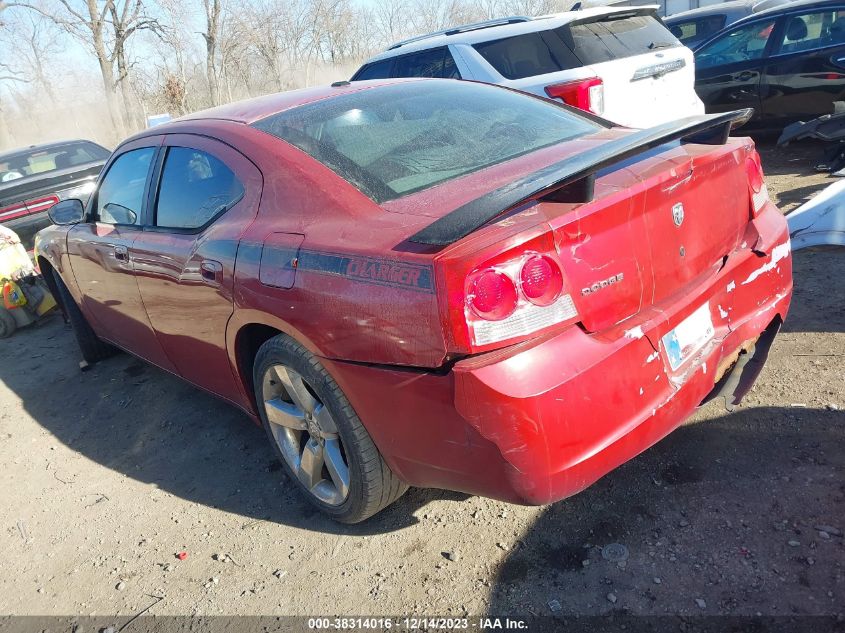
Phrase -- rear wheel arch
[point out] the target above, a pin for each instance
(248, 341)
(246, 332)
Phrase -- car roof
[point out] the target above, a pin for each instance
(44, 147)
(732, 8)
(789, 7)
(727, 8)
(251, 110)
(467, 35)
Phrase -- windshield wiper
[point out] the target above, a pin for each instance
(656, 45)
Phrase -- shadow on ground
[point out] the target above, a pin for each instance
(149, 425)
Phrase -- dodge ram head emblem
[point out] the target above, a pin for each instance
(678, 214)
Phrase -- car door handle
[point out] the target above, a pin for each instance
(211, 270)
(121, 253)
(745, 75)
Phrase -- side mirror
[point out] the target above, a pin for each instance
(66, 212)
(118, 214)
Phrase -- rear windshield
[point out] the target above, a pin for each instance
(38, 161)
(394, 140)
(614, 36)
(596, 42)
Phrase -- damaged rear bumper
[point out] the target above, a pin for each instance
(541, 421)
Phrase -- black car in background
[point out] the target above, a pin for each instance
(37, 177)
(787, 62)
(697, 25)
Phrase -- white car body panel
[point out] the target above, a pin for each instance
(821, 221)
(639, 103)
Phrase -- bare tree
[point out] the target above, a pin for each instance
(390, 19)
(213, 10)
(125, 21)
(35, 44)
(104, 27)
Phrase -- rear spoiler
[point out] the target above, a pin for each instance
(573, 179)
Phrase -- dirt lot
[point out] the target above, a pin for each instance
(107, 474)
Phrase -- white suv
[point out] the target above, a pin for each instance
(620, 63)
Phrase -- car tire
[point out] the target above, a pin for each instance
(315, 432)
(92, 347)
(8, 325)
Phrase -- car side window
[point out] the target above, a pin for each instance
(527, 55)
(195, 187)
(698, 29)
(745, 43)
(120, 196)
(376, 70)
(435, 62)
(812, 30)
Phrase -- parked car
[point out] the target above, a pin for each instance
(618, 62)
(788, 63)
(35, 178)
(431, 282)
(697, 25)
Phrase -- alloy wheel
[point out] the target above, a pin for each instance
(306, 434)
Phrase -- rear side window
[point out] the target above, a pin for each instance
(527, 55)
(616, 38)
(397, 139)
(813, 30)
(376, 70)
(435, 62)
(195, 188)
(697, 30)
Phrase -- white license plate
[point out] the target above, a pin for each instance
(689, 336)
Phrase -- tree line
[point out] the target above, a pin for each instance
(178, 56)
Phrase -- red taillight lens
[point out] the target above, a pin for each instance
(492, 295)
(755, 174)
(41, 204)
(541, 279)
(20, 209)
(585, 94)
(756, 183)
(12, 212)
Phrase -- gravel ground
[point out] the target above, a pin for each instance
(107, 475)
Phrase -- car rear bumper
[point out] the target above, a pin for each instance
(538, 422)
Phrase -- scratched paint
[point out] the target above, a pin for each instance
(778, 253)
(634, 333)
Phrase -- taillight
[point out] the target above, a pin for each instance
(492, 294)
(21, 209)
(585, 94)
(515, 297)
(13, 211)
(41, 204)
(756, 183)
(541, 280)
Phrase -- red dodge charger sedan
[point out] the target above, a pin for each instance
(432, 282)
